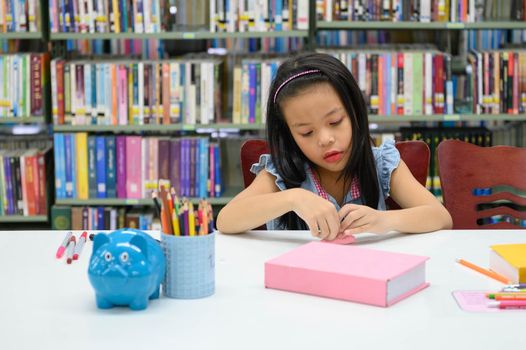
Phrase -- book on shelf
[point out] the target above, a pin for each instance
(23, 77)
(101, 218)
(258, 16)
(23, 181)
(497, 82)
(155, 16)
(467, 11)
(130, 167)
(20, 16)
(509, 260)
(400, 80)
(345, 272)
(116, 92)
(104, 16)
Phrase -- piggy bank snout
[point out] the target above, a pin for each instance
(116, 270)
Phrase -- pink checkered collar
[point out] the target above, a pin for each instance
(355, 186)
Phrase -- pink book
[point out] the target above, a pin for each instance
(133, 167)
(347, 272)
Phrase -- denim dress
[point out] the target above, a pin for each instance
(386, 158)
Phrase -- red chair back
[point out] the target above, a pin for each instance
(250, 152)
(483, 187)
(414, 153)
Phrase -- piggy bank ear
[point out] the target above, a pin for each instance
(99, 240)
(140, 243)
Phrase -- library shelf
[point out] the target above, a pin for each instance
(22, 120)
(155, 127)
(343, 25)
(256, 127)
(180, 35)
(229, 193)
(20, 35)
(22, 218)
(446, 117)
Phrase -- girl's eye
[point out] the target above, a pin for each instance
(305, 134)
(336, 122)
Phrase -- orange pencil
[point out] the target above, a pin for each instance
(484, 271)
(170, 203)
(165, 223)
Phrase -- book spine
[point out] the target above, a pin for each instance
(111, 183)
(92, 167)
(81, 140)
(121, 153)
(133, 167)
(68, 161)
(100, 146)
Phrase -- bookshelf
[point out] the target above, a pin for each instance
(25, 36)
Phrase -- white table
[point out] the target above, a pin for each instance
(46, 304)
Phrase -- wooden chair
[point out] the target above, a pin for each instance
(481, 186)
(414, 153)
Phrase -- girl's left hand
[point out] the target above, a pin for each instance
(361, 218)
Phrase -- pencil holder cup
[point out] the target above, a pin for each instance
(190, 266)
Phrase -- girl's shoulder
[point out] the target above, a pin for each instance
(386, 158)
(265, 162)
(387, 151)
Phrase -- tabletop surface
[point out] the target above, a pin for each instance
(47, 304)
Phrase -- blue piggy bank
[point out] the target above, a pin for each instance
(126, 268)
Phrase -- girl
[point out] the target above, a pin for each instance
(323, 173)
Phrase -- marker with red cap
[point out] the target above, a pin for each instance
(62, 248)
(508, 304)
(78, 248)
(70, 249)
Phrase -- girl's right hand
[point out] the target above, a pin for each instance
(319, 214)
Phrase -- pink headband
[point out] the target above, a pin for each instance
(292, 78)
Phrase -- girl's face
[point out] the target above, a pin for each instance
(320, 126)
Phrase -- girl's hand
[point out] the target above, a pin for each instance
(319, 214)
(361, 218)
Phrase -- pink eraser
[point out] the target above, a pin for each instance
(342, 239)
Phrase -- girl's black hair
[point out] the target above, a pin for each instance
(286, 155)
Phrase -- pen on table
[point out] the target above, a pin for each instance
(483, 271)
(514, 287)
(62, 248)
(508, 304)
(511, 295)
(70, 249)
(78, 247)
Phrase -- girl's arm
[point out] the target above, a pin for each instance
(422, 211)
(263, 201)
